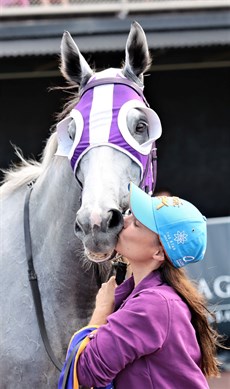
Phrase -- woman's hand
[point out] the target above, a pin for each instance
(104, 302)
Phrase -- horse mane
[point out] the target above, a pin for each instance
(20, 174)
(28, 170)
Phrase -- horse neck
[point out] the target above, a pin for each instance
(56, 250)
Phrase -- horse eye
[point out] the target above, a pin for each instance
(72, 130)
(141, 127)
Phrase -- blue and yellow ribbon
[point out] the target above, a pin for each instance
(68, 378)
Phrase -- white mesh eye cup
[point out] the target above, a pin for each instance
(64, 141)
(155, 129)
(66, 146)
(79, 122)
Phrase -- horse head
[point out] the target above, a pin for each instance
(108, 137)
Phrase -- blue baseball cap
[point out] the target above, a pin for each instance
(180, 225)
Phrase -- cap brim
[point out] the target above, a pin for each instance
(141, 205)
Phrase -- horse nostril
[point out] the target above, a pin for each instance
(115, 219)
(77, 228)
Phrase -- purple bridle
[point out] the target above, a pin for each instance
(100, 119)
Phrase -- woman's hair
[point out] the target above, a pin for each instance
(207, 336)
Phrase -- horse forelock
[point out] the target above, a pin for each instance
(70, 102)
(21, 174)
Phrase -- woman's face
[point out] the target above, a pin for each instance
(136, 242)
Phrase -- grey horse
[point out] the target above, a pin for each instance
(75, 217)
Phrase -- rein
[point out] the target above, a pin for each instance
(34, 281)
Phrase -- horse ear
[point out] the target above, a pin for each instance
(74, 67)
(137, 56)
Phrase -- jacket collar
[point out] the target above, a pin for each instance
(127, 290)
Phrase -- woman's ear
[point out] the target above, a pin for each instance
(158, 254)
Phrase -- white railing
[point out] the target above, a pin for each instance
(39, 7)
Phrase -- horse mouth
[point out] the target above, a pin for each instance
(99, 257)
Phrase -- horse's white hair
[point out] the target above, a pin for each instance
(68, 286)
(28, 170)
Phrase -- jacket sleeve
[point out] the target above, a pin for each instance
(137, 329)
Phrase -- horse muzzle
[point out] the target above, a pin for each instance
(99, 233)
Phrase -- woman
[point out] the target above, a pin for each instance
(154, 333)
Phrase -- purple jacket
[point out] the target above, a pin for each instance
(148, 342)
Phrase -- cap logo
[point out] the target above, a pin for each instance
(188, 258)
(180, 237)
(176, 202)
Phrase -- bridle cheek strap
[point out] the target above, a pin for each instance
(148, 182)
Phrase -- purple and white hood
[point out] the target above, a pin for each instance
(101, 119)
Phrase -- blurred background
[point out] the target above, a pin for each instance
(188, 86)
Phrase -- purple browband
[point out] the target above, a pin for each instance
(113, 80)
